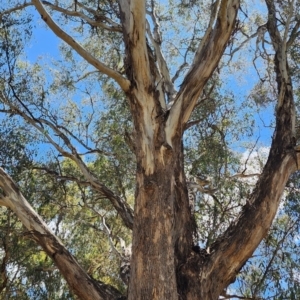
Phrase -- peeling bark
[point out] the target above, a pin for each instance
(133, 16)
(165, 243)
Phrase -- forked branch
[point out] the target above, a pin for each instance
(206, 60)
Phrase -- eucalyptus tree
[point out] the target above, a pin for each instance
(145, 84)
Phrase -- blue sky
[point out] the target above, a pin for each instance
(43, 42)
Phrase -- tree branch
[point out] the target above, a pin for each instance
(277, 248)
(206, 60)
(78, 280)
(123, 82)
(133, 16)
(156, 40)
(243, 175)
(247, 40)
(233, 296)
(99, 15)
(294, 34)
(231, 250)
(94, 23)
(192, 123)
(119, 204)
(16, 8)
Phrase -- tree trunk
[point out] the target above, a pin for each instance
(163, 264)
(163, 227)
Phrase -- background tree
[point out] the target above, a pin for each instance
(136, 134)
